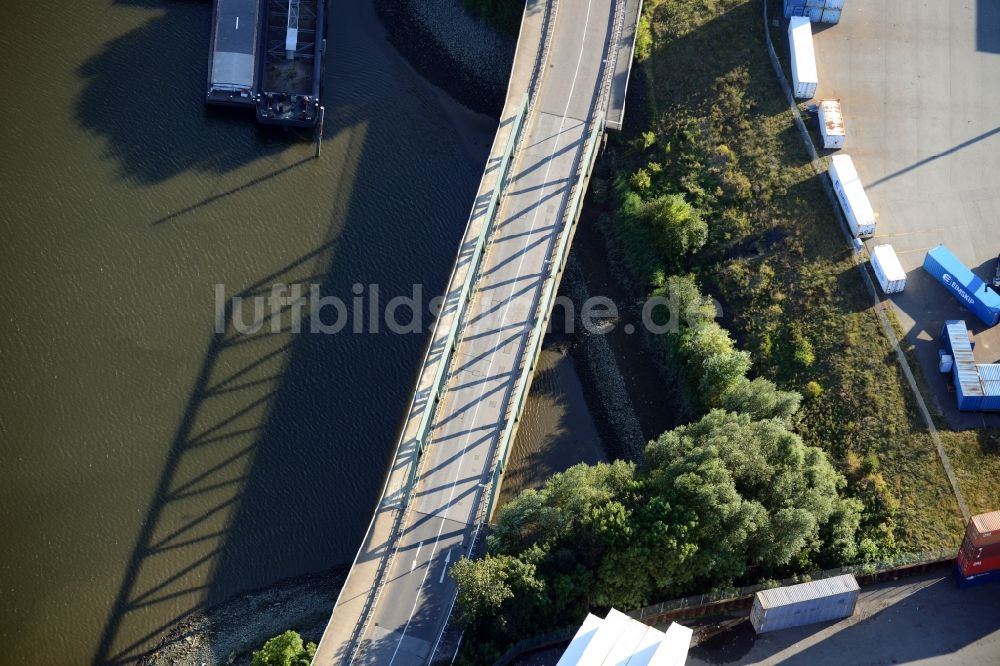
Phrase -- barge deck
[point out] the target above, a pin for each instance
(232, 63)
(291, 62)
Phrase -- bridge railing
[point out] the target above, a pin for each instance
(465, 291)
(552, 282)
(545, 303)
(561, 254)
(460, 303)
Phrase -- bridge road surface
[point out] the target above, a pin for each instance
(415, 602)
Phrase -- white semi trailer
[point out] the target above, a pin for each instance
(861, 217)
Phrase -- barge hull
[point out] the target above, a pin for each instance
(232, 65)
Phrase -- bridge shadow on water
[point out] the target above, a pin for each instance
(280, 453)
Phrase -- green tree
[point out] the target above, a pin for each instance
(286, 649)
(485, 585)
(787, 490)
(560, 507)
(761, 399)
(720, 372)
(686, 303)
(640, 180)
(678, 228)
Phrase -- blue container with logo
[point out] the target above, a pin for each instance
(795, 8)
(963, 284)
(976, 579)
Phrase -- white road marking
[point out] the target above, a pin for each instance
(444, 569)
(237, 22)
(416, 556)
(534, 219)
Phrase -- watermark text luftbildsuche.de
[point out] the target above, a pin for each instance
(301, 308)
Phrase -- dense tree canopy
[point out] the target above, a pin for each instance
(786, 489)
(730, 496)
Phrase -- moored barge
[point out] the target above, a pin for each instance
(232, 61)
(292, 62)
(268, 54)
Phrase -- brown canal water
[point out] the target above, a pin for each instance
(557, 430)
(151, 468)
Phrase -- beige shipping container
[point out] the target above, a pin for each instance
(831, 124)
(984, 530)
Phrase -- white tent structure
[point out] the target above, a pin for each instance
(618, 640)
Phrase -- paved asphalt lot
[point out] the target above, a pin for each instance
(925, 620)
(437, 531)
(919, 81)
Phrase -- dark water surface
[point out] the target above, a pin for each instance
(149, 467)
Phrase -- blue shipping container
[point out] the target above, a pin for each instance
(818, 11)
(830, 16)
(976, 580)
(972, 392)
(795, 8)
(963, 284)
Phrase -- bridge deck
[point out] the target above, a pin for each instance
(437, 527)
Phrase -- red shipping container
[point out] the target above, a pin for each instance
(970, 567)
(974, 552)
(984, 529)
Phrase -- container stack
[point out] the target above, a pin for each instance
(977, 385)
(818, 11)
(979, 558)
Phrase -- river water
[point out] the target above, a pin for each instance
(151, 467)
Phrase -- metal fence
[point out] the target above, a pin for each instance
(915, 561)
(720, 601)
(446, 350)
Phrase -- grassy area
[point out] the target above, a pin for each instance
(709, 122)
(975, 456)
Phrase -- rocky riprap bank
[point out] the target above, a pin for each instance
(453, 49)
(230, 632)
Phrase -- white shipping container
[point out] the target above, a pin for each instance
(807, 603)
(857, 208)
(800, 42)
(945, 363)
(831, 124)
(888, 270)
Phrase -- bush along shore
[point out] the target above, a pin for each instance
(803, 449)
